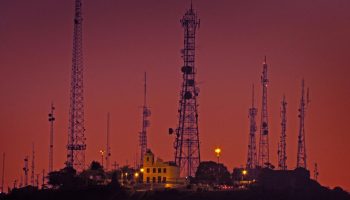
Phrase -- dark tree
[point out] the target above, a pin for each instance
(210, 172)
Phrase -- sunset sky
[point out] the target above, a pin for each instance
(124, 38)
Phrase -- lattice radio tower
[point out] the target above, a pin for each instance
(146, 113)
(252, 157)
(301, 155)
(282, 155)
(187, 154)
(264, 125)
(51, 120)
(76, 139)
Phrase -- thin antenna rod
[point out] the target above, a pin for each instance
(51, 121)
(3, 173)
(108, 148)
(32, 177)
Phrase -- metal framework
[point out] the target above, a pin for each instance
(264, 160)
(252, 156)
(187, 151)
(51, 120)
(76, 138)
(316, 173)
(146, 113)
(301, 155)
(282, 155)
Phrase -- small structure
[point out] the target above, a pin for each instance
(163, 174)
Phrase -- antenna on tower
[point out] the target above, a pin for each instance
(187, 144)
(264, 160)
(252, 157)
(51, 121)
(108, 148)
(25, 170)
(316, 173)
(282, 155)
(32, 177)
(146, 113)
(76, 137)
(301, 156)
(3, 173)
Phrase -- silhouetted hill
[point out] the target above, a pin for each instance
(108, 193)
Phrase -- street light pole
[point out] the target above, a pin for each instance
(218, 151)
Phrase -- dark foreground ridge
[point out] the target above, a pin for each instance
(118, 193)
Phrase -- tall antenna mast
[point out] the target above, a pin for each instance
(252, 157)
(264, 160)
(25, 170)
(76, 138)
(282, 155)
(187, 151)
(3, 173)
(316, 173)
(108, 148)
(51, 121)
(301, 156)
(32, 176)
(146, 113)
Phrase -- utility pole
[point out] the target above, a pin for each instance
(51, 120)
(264, 160)
(76, 137)
(146, 113)
(108, 148)
(282, 155)
(301, 156)
(252, 157)
(187, 144)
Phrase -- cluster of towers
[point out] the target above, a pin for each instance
(187, 143)
(262, 160)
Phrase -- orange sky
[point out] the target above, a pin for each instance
(122, 39)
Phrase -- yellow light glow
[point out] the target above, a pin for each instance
(136, 174)
(102, 152)
(217, 151)
(244, 172)
(142, 170)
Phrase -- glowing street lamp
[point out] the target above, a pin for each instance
(217, 151)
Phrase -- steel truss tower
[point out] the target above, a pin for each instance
(282, 155)
(146, 113)
(187, 152)
(252, 157)
(301, 155)
(76, 139)
(264, 160)
(51, 120)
